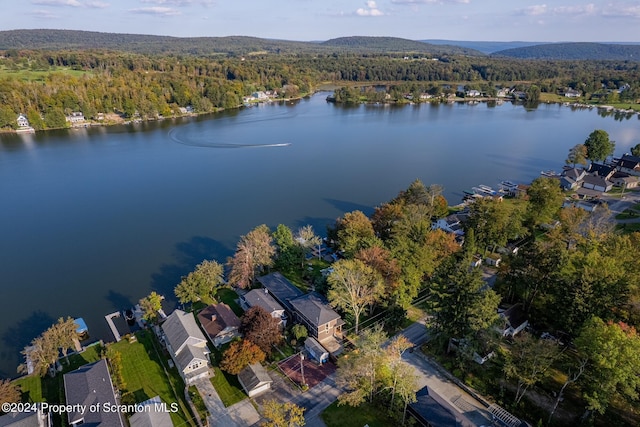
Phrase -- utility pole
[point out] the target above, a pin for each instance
(302, 369)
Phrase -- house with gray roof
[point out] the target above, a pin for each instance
(282, 290)
(629, 164)
(220, 323)
(254, 380)
(35, 418)
(316, 314)
(187, 346)
(153, 413)
(262, 298)
(91, 385)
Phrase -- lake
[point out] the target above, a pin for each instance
(94, 219)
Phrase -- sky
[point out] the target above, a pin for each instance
(307, 20)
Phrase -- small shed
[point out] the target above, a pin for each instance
(254, 380)
(316, 350)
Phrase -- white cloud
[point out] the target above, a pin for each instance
(43, 14)
(622, 10)
(543, 9)
(414, 2)
(588, 9)
(156, 10)
(370, 10)
(178, 2)
(72, 3)
(535, 10)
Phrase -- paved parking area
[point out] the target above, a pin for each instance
(313, 372)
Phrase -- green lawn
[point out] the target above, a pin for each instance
(198, 402)
(228, 387)
(47, 389)
(38, 75)
(628, 214)
(229, 297)
(628, 228)
(144, 374)
(365, 414)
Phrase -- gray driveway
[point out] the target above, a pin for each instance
(241, 414)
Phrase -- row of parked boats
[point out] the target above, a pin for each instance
(505, 187)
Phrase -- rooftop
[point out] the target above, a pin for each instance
(314, 308)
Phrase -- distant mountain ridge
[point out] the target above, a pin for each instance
(482, 46)
(397, 44)
(575, 51)
(239, 45)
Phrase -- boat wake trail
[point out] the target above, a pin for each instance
(205, 144)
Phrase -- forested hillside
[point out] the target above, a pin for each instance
(48, 84)
(395, 44)
(575, 51)
(232, 45)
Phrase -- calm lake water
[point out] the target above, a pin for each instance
(94, 219)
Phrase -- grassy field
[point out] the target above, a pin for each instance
(145, 375)
(365, 414)
(38, 75)
(228, 387)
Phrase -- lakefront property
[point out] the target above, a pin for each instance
(468, 304)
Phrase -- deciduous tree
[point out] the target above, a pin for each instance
(577, 155)
(613, 353)
(353, 232)
(283, 414)
(260, 328)
(200, 283)
(239, 355)
(150, 306)
(353, 287)
(528, 361)
(254, 252)
(545, 200)
(9, 392)
(599, 146)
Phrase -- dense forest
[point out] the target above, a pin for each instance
(46, 85)
(573, 51)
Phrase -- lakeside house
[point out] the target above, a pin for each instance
(451, 224)
(311, 309)
(75, 118)
(22, 121)
(186, 345)
(262, 298)
(572, 93)
(220, 323)
(91, 385)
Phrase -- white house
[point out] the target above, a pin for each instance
(451, 224)
(572, 93)
(75, 118)
(514, 320)
(473, 92)
(187, 346)
(22, 121)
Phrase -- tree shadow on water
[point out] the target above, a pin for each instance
(19, 335)
(347, 206)
(119, 300)
(186, 256)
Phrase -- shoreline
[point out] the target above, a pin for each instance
(328, 88)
